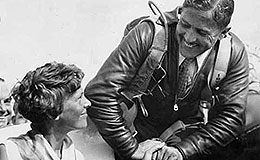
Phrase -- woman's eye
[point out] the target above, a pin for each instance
(8, 100)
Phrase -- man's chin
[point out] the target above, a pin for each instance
(190, 53)
(187, 54)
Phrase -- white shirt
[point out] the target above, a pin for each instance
(199, 59)
(69, 152)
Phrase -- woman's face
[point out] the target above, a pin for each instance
(74, 115)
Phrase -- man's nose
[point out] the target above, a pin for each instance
(190, 36)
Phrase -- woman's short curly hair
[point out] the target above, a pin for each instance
(41, 93)
(222, 10)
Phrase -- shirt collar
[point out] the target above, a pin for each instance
(200, 58)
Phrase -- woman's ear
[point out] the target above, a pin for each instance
(57, 118)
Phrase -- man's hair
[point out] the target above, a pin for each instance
(41, 93)
(222, 10)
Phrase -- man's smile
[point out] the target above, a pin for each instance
(189, 45)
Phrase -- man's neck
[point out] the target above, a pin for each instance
(199, 59)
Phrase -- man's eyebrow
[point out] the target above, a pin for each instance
(203, 30)
(183, 20)
(80, 95)
(199, 29)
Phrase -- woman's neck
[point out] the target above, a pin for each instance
(53, 133)
(55, 140)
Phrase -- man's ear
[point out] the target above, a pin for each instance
(179, 10)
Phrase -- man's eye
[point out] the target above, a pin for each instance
(203, 33)
(184, 25)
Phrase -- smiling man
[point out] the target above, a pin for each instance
(6, 107)
(168, 98)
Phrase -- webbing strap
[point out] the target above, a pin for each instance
(156, 52)
(221, 64)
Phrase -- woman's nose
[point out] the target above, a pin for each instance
(2, 110)
(86, 103)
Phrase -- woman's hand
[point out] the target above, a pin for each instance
(149, 153)
(167, 153)
(144, 147)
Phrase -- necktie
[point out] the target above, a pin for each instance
(184, 76)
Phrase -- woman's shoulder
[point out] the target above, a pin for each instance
(79, 155)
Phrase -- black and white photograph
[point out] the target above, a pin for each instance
(129, 80)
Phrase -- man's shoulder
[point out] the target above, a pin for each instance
(172, 16)
(237, 49)
(236, 41)
(14, 131)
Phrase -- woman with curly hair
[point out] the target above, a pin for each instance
(51, 97)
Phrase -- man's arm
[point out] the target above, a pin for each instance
(227, 118)
(116, 74)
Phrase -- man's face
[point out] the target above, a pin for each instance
(196, 32)
(5, 105)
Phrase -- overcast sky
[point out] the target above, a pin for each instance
(84, 32)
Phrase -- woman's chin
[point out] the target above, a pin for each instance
(83, 121)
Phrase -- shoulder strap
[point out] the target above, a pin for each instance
(155, 55)
(222, 60)
(158, 48)
(156, 52)
(218, 72)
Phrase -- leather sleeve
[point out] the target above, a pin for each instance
(227, 118)
(116, 74)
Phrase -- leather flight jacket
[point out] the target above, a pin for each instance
(226, 120)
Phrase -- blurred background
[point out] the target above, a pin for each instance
(84, 32)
